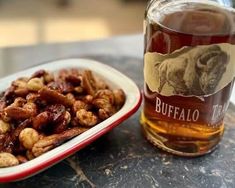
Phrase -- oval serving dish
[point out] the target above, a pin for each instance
(112, 77)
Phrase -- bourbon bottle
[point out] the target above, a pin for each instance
(189, 72)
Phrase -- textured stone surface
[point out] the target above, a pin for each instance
(123, 158)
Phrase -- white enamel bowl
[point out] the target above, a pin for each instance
(114, 78)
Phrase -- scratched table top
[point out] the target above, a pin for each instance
(123, 158)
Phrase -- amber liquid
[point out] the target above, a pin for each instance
(187, 24)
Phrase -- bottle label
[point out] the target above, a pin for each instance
(203, 74)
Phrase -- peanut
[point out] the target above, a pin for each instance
(7, 159)
(4, 127)
(28, 137)
(35, 84)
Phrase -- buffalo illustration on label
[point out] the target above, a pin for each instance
(190, 71)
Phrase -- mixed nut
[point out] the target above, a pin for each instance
(43, 111)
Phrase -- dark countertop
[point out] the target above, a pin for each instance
(123, 158)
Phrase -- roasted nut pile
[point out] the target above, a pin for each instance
(43, 111)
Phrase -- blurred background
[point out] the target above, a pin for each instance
(29, 22)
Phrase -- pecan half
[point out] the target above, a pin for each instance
(41, 121)
(52, 96)
(89, 83)
(17, 112)
(49, 142)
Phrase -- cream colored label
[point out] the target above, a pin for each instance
(190, 71)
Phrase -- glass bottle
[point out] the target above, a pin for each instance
(188, 72)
